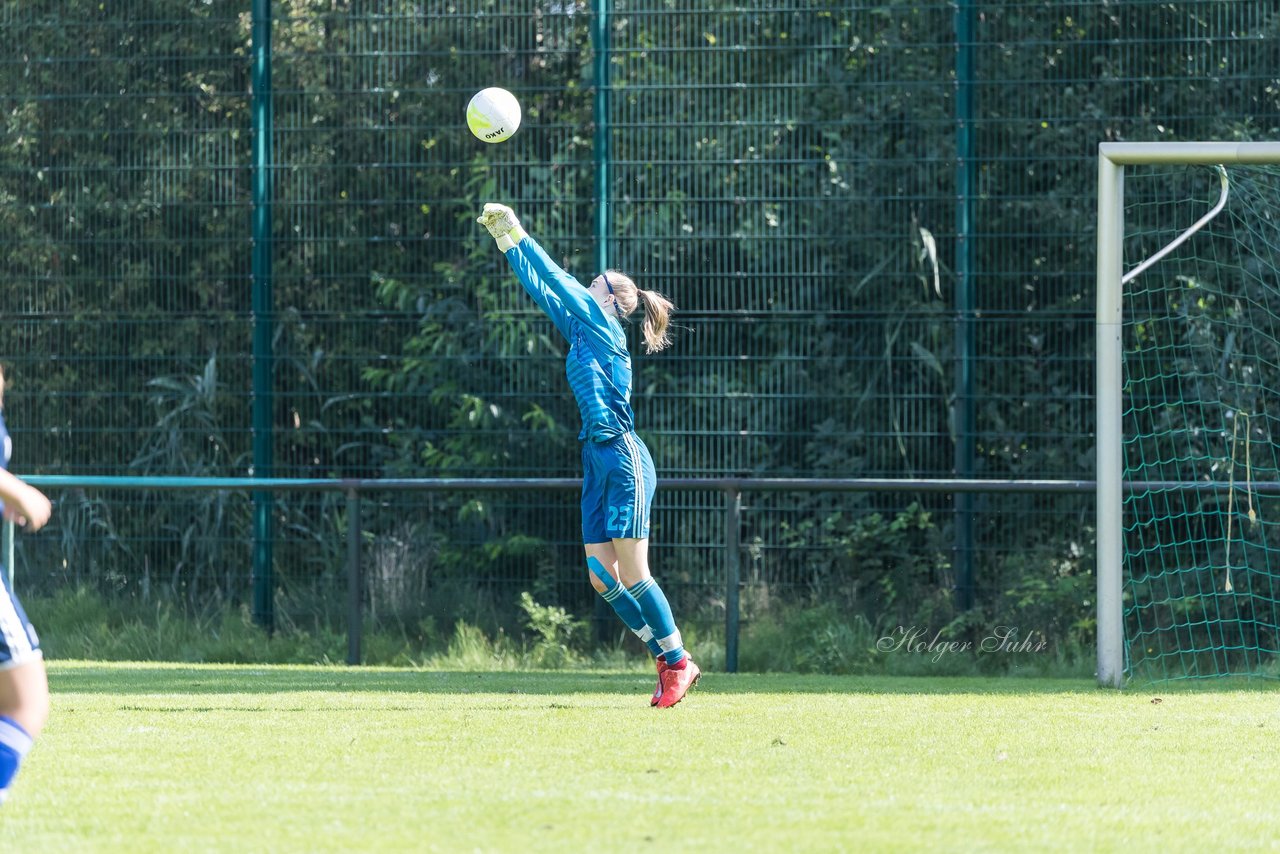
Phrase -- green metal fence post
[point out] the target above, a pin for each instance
(603, 617)
(965, 447)
(733, 576)
(600, 42)
(355, 618)
(263, 315)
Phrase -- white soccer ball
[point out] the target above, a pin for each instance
(493, 114)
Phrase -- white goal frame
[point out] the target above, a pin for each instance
(1112, 158)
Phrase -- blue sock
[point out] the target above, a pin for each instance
(628, 609)
(657, 613)
(14, 744)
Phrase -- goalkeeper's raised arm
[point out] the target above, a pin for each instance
(611, 295)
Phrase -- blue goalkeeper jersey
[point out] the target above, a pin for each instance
(598, 364)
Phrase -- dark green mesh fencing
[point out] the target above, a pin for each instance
(786, 174)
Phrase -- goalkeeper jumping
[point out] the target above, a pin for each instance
(618, 478)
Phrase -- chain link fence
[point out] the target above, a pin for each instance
(875, 219)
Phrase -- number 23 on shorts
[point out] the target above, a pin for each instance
(620, 517)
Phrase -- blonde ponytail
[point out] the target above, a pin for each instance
(657, 309)
(657, 317)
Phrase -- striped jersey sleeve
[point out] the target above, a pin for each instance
(598, 365)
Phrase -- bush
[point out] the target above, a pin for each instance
(807, 640)
(555, 631)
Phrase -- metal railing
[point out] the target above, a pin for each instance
(731, 487)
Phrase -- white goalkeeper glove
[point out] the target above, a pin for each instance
(502, 224)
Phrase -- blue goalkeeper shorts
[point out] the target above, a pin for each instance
(18, 641)
(618, 482)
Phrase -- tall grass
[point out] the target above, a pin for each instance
(82, 624)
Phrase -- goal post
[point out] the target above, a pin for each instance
(1113, 158)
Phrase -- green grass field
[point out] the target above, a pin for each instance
(152, 757)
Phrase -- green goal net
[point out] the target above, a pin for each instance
(1201, 417)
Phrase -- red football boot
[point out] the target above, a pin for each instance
(676, 682)
(657, 692)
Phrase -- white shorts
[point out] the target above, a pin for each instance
(18, 640)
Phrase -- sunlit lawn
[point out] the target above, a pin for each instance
(219, 758)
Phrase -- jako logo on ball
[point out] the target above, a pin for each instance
(493, 114)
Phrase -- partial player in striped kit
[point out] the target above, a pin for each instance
(618, 479)
(24, 689)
